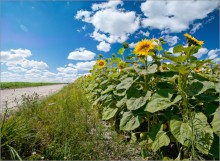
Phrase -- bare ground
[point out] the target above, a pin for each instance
(12, 97)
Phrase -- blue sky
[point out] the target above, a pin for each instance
(57, 41)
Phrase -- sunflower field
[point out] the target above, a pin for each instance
(169, 105)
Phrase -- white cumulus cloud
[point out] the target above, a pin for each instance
(201, 52)
(171, 40)
(85, 65)
(175, 16)
(103, 46)
(196, 27)
(110, 23)
(19, 57)
(81, 54)
(215, 55)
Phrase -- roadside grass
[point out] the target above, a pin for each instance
(62, 126)
(9, 85)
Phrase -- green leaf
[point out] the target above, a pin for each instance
(116, 60)
(195, 131)
(177, 49)
(160, 103)
(119, 92)
(133, 138)
(108, 113)
(150, 70)
(125, 84)
(158, 47)
(203, 133)
(121, 51)
(135, 103)
(216, 122)
(181, 131)
(179, 68)
(207, 85)
(129, 121)
(159, 137)
(109, 89)
(198, 87)
(191, 50)
(161, 140)
(157, 105)
(122, 102)
(176, 59)
(105, 81)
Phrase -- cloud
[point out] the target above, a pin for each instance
(201, 52)
(214, 54)
(171, 40)
(18, 57)
(67, 70)
(132, 45)
(196, 27)
(175, 16)
(34, 64)
(17, 69)
(110, 23)
(85, 65)
(81, 54)
(14, 55)
(147, 34)
(103, 46)
(107, 5)
(34, 71)
(83, 15)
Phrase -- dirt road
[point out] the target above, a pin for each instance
(13, 97)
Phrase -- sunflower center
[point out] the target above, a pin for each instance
(101, 63)
(145, 47)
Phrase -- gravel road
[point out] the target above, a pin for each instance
(13, 97)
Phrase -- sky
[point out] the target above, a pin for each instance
(58, 41)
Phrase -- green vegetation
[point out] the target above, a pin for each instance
(9, 85)
(170, 109)
(61, 127)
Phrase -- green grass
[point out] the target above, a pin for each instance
(63, 126)
(9, 85)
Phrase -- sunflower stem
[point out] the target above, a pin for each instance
(145, 76)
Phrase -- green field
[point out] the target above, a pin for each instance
(10, 85)
(61, 127)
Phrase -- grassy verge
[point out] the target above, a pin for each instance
(64, 127)
(9, 85)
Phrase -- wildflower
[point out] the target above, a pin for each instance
(125, 45)
(42, 158)
(143, 47)
(162, 67)
(193, 40)
(197, 70)
(121, 65)
(33, 153)
(101, 63)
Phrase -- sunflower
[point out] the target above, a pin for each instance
(101, 63)
(121, 65)
(197, 70)
(143, 47)
(193, 40)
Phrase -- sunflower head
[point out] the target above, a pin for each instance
(143, 47)
(197, 70)
(193, 40)
(163, 67)
(101, 63)
(121, 65)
